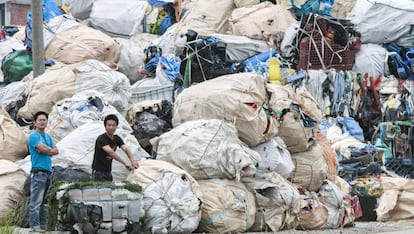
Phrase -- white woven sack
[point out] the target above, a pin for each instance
(311, 168)
(12, 179)
(172, 197)
(277, 202)
(274, 157)
(118, 18)
(77, 148)
(64, 82)
(206, 149)
(206, 17)
(264, 21)
(331, 196)
(13, 141)
(132, 56)
(240, 98)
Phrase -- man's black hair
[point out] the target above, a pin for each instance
(111, 117)
(35, 116)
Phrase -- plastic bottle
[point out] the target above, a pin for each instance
(275, 76)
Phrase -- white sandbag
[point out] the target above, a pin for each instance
(132, 56)
(228, 206)
(121, 18)
(239, 48)
(206, 149)
(89, 44)
(57, 25)
(396, 202)
(12, 179)
(371, 59)
(311, 168)
(172, 198)
(341, 8)
(264, 21)
(7, 46)
(77, 148)
(64, 82)
(376, 21)
(13, 141)
(330, 195)
(240, 98)
(277, 202)
(206, 17)
(274, 157)
(80, 9)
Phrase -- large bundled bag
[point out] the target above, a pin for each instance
(313, 215)
(85, 207)
(79, 9)
(277, 202)
(77, 148)
(330, 195)
(89, 44)
(310, 168)
(396, 201)
(298, 115)
(172, 197)
(16, 65)
(274, 157)
(118, 18)
(82, 108)
(13, 141)
(228, 206)
(206, 149)
(264, 21)
(206, 17)
(6, 47)
(372, 59)
(133, 54)
(12, 179)
(65, 81)
(240, 98)
(375, 21)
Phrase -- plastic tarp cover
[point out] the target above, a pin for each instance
(206, 149)
(121, 18)
(376, 21)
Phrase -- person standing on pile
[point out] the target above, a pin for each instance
(41, 149)
(105, 147)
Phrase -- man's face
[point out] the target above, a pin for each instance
(41, 122)
(110, 127)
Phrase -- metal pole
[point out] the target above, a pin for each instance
(38, 52)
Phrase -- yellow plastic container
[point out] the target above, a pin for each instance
(275, 75)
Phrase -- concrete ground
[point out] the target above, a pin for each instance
(399, 227)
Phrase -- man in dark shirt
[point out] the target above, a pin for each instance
(105, 147)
